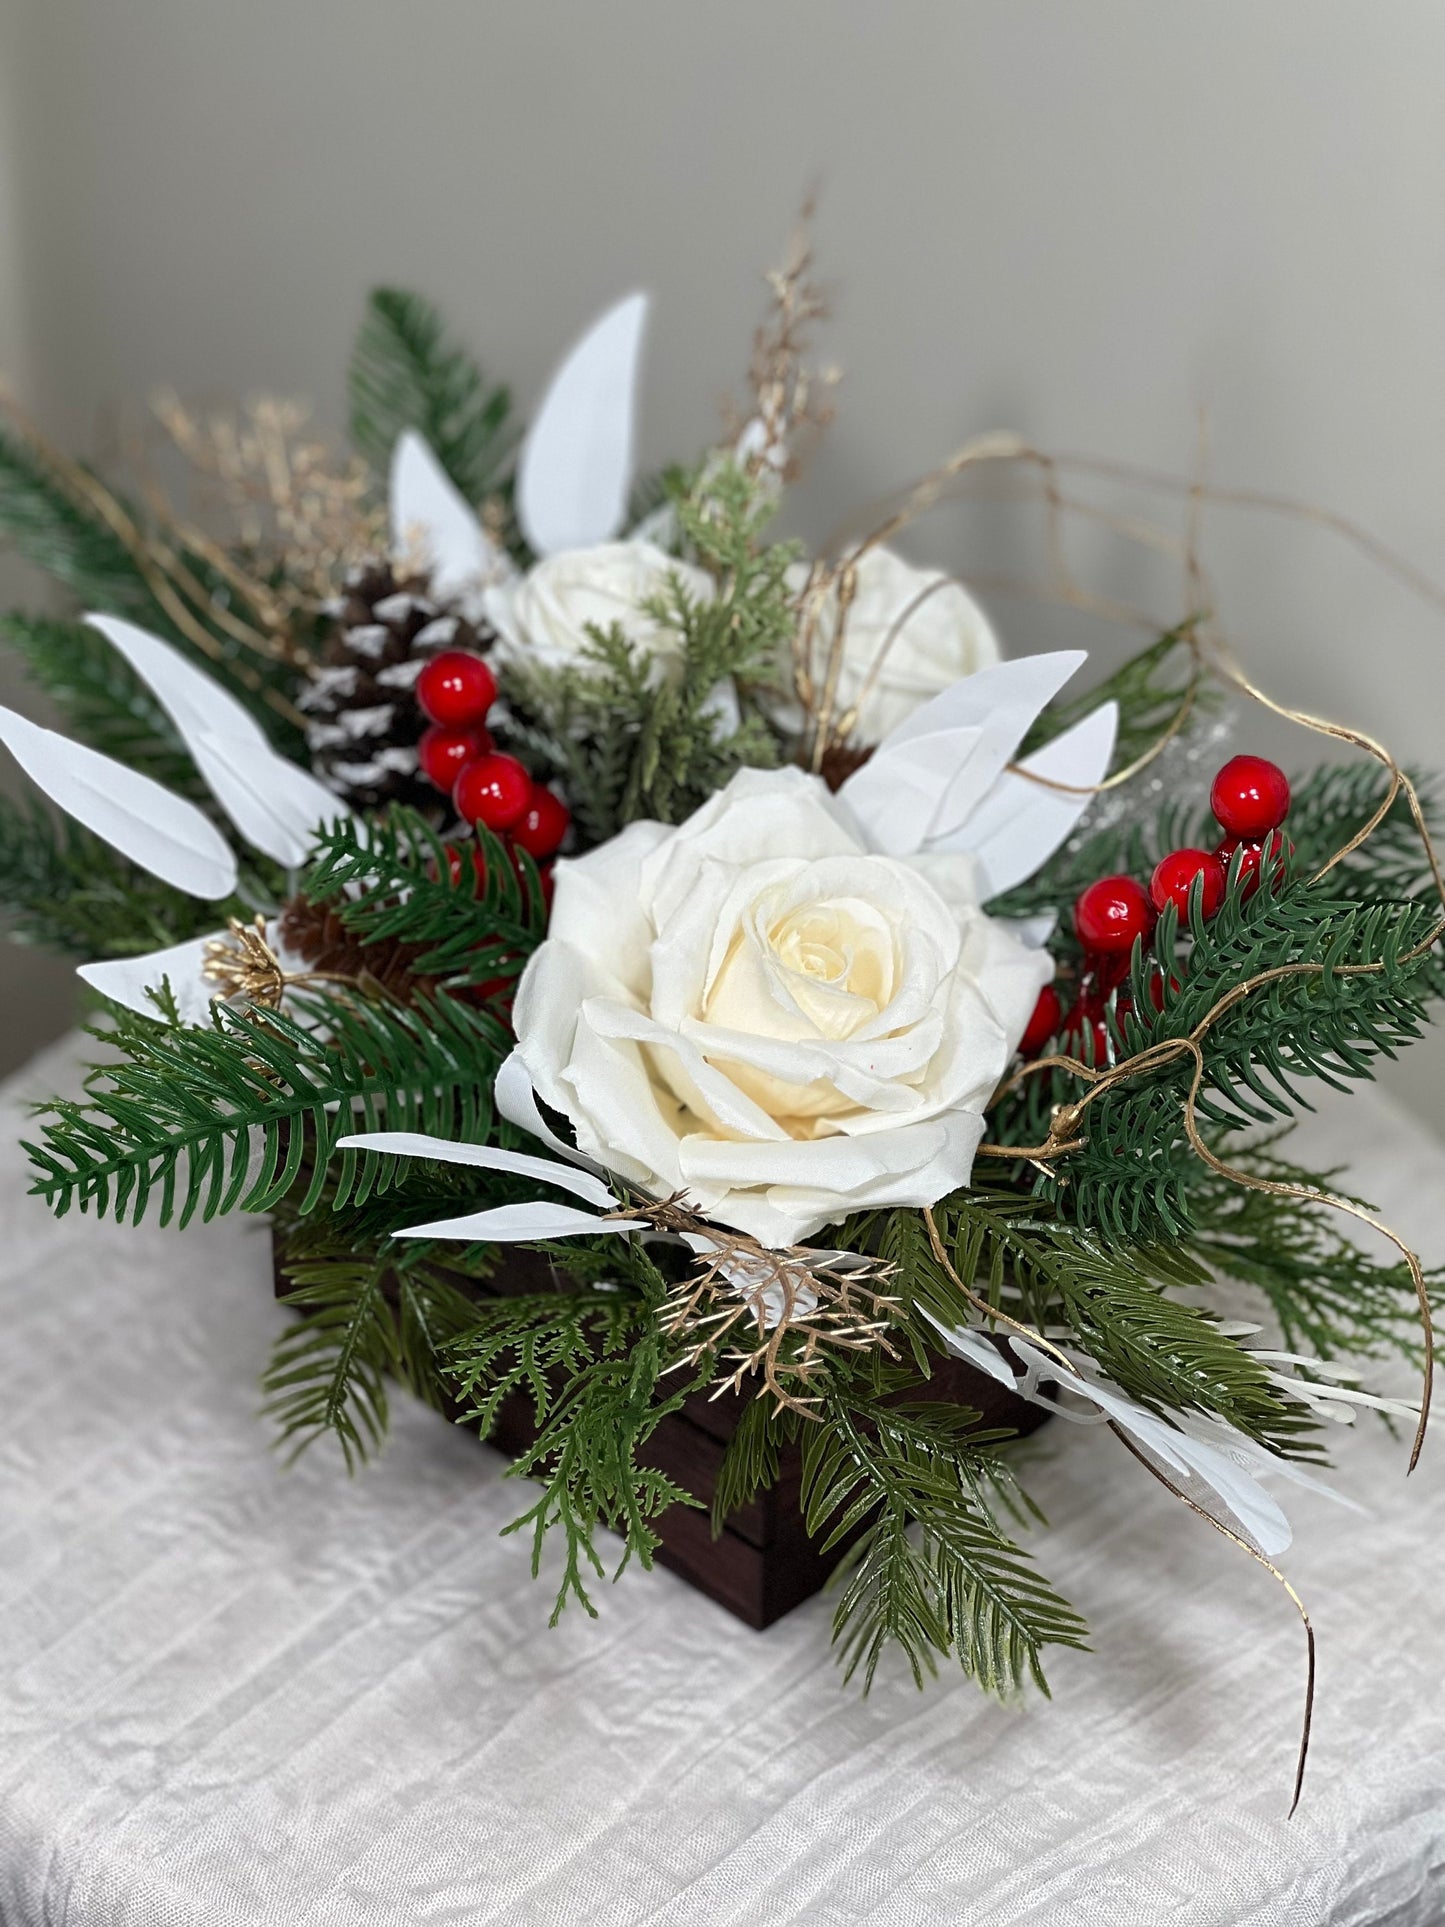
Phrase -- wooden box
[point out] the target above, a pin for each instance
(763, 1563)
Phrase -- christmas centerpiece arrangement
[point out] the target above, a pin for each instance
(645, 970)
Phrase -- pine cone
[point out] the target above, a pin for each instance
(314, 933)
(365, 724)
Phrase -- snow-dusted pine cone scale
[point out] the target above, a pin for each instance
(363, 721)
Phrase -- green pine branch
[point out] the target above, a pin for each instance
(103, 702)
(406, 374)
(934, 1571)
(364, 1315)
(52, 531)
(397, 881)
(1331, 1300)
(1149, 689)
(1114, 1303)
(62, 888)
(196, 1122)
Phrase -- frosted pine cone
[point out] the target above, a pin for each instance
(363, 720)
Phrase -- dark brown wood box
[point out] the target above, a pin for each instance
(763, 1563)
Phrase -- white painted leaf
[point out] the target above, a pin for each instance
(276, 806)
(125, 980)
(576, 463)
(1019, 824)
(147, 823)
(1195, 1446)
(517, 1102)
(521, 1224)
(413, 1144)
(948, 754)
(427, 506)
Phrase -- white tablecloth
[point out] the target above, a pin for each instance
(235, 1694)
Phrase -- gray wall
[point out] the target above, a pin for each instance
(1083, 220)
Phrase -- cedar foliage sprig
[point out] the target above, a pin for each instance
(592, 1361)
(632, 737)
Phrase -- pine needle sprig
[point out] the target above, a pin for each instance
(54, 533)
(103, 702)
(195, 1122)
(1150, 688)
(405, 373)
(1113, 1303)
(363, 1316)
(395, 881)
(1330, 1299)
(63, 888)
(934, 1571)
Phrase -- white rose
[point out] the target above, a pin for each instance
(909, 633)
(544, 617)
(754, 1010)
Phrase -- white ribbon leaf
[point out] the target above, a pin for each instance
(126, 980)
(147, 823)
(576, 463)
(426, 505)
(413, 1144)
(521, 1224)
(1203, 1447)
(948, 754)
(1019, 824)
(276, 806)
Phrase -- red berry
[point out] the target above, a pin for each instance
(1173, 880)
(1048, 1012)
(1086, 1032)
(444, 753)
(456, 688)
(458, 866)
(543, 824)
(494, 790)
(1252, 856)
(1250, 796)
(1111, 913)
(1156, 987)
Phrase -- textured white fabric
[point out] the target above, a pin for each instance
(232, 1694)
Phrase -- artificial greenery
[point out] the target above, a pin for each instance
(405, 373)
(631, 739)
(200, 1121)
(1116, 1248)
(62, 888)
(473, 910)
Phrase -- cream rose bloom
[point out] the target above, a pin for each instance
(756, 1011)
(544, 616)
(941, 635)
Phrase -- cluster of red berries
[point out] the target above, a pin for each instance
(1250, 799)
(456, 691)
